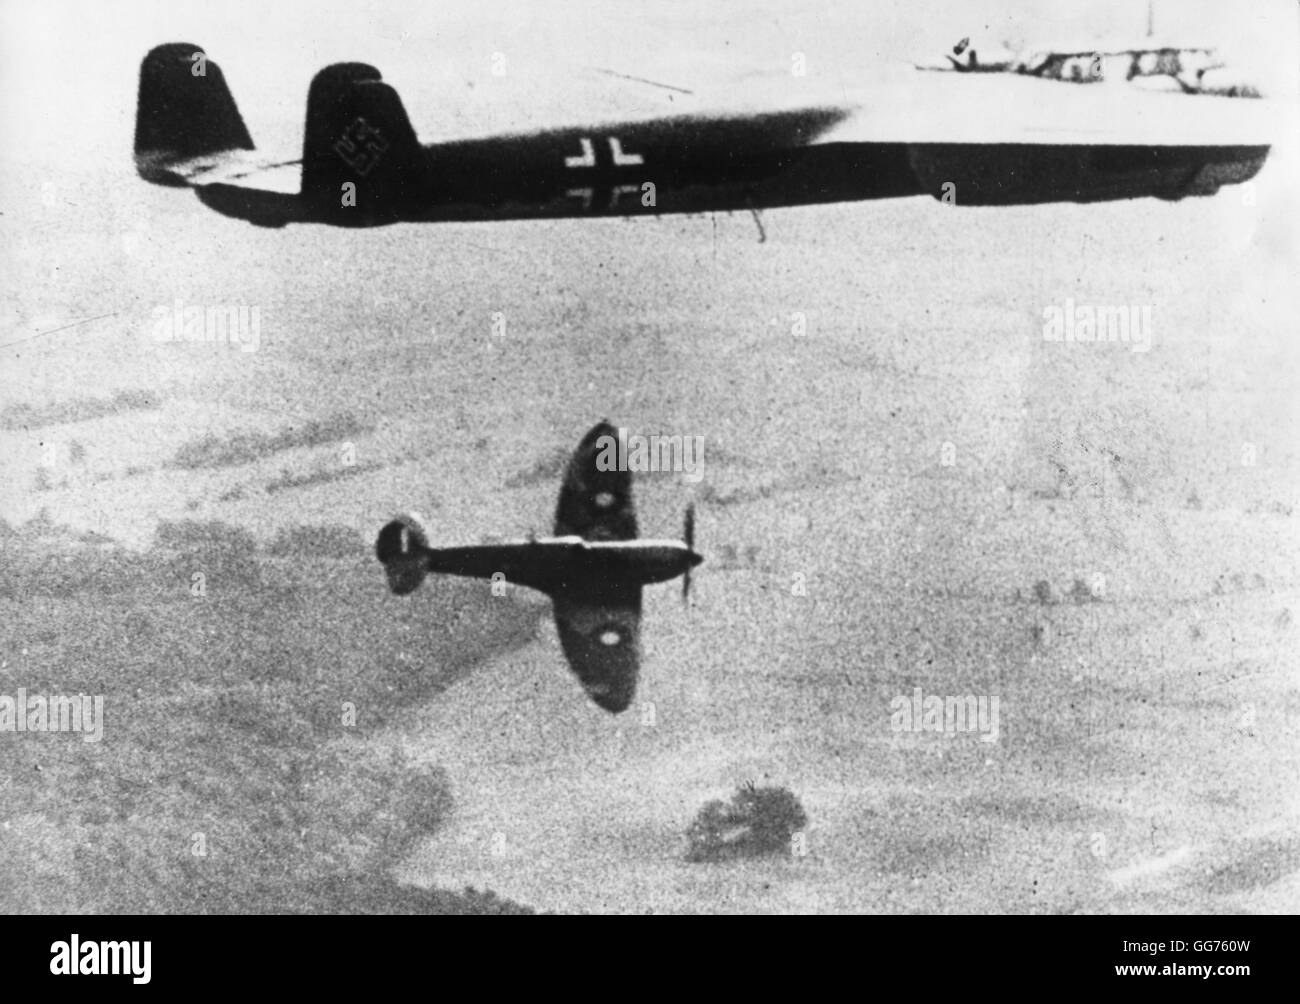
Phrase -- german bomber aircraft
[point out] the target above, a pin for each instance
(593, 569)
(362, 164)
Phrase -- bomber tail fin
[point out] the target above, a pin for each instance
(184, 111)
(358, 133)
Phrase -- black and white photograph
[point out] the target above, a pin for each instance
(783, 457)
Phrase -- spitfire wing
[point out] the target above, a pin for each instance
(599, 626)
(596, 504)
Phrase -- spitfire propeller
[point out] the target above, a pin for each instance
(688, 534)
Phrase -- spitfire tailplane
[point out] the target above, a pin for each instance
(402, 548)
(184, 112)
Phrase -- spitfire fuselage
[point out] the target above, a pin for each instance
(550, 563)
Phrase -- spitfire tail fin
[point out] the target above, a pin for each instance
(361, 161)
(401, 548)
(184, 111)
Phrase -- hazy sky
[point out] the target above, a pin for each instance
(68, 67)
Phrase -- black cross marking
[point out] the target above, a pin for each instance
(606, 157)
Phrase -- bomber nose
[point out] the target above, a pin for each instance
(694, 558)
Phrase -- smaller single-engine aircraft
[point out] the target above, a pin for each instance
(593, 569)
